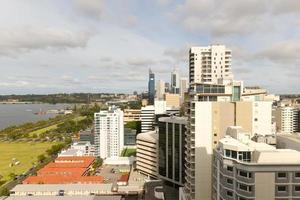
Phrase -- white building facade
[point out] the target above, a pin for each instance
(208, 64)
(109, 132)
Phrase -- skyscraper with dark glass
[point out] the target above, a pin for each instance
(171, 150)
(151, 88)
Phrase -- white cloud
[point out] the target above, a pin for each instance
(19, 40)
(90, 8)
(232, 17)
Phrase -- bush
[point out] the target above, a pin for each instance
(4, 191)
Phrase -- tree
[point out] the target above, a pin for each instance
(12, 176)
(41, 158)
(98, 163)
(4, 191)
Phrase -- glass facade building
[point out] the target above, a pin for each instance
(171, 149)
(151, 88)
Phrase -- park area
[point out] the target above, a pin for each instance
(19, 157)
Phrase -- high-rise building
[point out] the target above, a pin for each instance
(244, 169)
(209, 64)
(146, 153)
(151, 88)
(175, 82)
(167, 87)
(171, 131)
(184, 86)
(207, 124)
(109, 132)
(287, 119)
(160, 90)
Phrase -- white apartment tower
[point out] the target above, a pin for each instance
(287, 119)
(209, 64)
(109, 132)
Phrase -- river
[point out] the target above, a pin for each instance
(16, 114)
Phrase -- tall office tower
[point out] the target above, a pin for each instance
(287, 119)
(109, 132)
(184, 86)
(207, 124)
(244, 169)
(209, 64)
(175, 82)
(151, 88)
(167, 87)
(146, 153)
(171, 149)
(160, 90)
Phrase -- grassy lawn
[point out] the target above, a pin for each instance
(43, 130)
(79, 118)
(25, 152)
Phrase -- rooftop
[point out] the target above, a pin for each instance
(174, 119)
(262, 153)
(62, 198)
(150, 136)
(60, 170)
(59, 179)
(57, 187)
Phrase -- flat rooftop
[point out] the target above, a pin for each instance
(62, 198)
(57, 187)
(59, 179)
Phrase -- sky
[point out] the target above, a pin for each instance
(52, 46)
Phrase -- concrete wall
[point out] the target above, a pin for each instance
(264, 185)
(203, 150)
(244, 115)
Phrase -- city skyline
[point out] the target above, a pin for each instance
(101, 46)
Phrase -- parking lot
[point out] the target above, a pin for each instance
(112, 173)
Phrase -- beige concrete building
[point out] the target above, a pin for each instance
(207, 125)
(132, 115)
(244, 169)
(146, 153)
(172, 100)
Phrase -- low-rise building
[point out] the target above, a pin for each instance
(172, 100)
(61, 190)
(132, 115)
(62, 198)
(146, 155)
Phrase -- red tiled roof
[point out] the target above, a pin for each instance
(46, 171)
(75, 159)
(124, 178)
(63, 179)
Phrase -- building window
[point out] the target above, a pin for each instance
(297, 188)
(281, 175)
(229, 168)
(229, 193)
(230, 181)
(281, 188)
(297, 174)
(243, 187)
